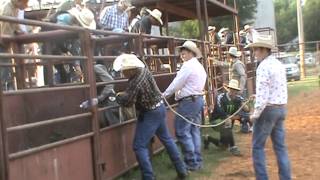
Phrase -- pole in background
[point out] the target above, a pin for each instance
(301, 38)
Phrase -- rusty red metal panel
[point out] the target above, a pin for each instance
(28, 108)
(116, 149)
(68, 162)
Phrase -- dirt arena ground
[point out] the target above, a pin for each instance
(303, 140)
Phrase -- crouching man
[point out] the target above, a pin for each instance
(145, 94)
(226, 104)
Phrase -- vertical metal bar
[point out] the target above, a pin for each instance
(167, 22)
(88, 51)
(20, 69)
(49, 66)
(4, 160)
(206, 20)
(198, 4)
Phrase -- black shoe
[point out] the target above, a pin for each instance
(182, 176)
(206, 142)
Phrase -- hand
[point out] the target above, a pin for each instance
(252, 97)
(120, 94)
(253, 118)
(236, 117)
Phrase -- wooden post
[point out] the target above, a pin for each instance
(301, 38)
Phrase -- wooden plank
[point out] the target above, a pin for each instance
(176, 10)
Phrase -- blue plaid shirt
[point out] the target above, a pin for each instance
(114, 19)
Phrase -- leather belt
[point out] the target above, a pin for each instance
(276, 105)
(157, 105)
(192, 97)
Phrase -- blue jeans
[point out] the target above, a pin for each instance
(270, 123)
(189, 135)
(152, 123)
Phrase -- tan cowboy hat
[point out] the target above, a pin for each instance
(247, 27)
(156, 14)
(85, 17)
(234, 52)
(126, 2)
(192, 47)
(211, 28)
(234, 84)
(127, 61)
(265, 41)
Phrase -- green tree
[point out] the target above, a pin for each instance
(246, 12)
(286, 20)
(190, 28)
(311, 17)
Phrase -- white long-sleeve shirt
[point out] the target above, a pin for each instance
(271, 85)
(190, 80)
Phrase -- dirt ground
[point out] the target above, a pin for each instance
(303, 140)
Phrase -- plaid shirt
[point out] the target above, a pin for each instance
(114, 19)
(142, 91)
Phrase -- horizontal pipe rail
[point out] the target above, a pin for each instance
(45, 89)
(53, 35)
(41, 23)
(47, 122)
(24, 153)
(47, 57)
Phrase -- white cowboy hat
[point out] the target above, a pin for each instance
(192, 47)
(85, 17)
(211, 28)
(234, 52)
(223, 30)
(127, 61)
(156, 14)
(247, 27)
(234, 84)
(242, 32)
(265, 41)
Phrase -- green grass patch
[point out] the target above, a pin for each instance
(306, 85)
(164, 170)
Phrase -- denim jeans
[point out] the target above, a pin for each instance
(152, 123)
(189, 135)
(270, 123)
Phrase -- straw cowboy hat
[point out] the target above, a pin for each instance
(211, 28)
(192, 47)
(234, 52)
(265, 41)
(126, 2)
(127, 61)
(247, 27)
(234, 84)
(156, 14)
(85, 17)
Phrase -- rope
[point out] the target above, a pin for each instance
(208, 125)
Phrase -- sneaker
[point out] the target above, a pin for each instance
(195, 168)
(206, 142)
(235, 151)
(251, 129)
(182, 176)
